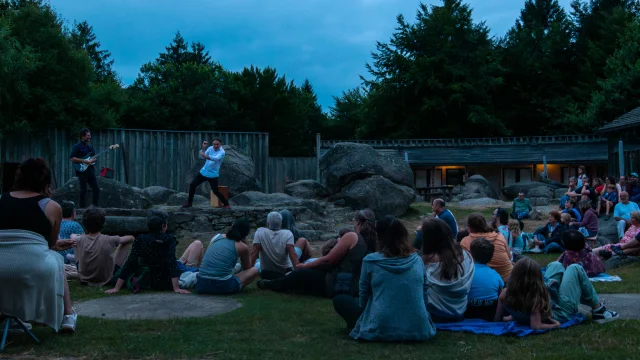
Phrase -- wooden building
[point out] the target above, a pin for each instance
(624, 131)
(502, 161)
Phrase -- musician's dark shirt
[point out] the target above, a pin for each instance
(82, 150)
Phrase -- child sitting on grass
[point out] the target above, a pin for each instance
(527, 299)
(486, 285)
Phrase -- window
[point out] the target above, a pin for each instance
(455, 176)
(421, 179)
(512, 176)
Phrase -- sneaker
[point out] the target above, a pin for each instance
(69, 322)
(264, 284)
(536, 250)
(15, 328)
(187, 205)
(605, 254)
(603, 316)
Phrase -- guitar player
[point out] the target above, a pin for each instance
(78, 155)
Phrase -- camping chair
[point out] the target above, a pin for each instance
(5, 331)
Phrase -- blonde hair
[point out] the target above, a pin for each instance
(514, 227)
(635, 215)
(565, 218)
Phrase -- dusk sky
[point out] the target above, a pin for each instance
(326, 41)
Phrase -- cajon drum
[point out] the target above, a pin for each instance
(224, 190)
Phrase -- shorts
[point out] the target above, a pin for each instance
(184, 268)
(232, 285)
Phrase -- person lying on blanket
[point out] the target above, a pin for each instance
(527, 300)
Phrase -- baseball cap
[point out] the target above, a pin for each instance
(635, 174)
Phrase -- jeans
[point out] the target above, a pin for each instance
(307, 281)
(348, 308)
(84, 178)
(574, 289)
(553, 247)
(199, 179)
(622, 226)
(520, 215)
(481, 309)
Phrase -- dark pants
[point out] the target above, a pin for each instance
(88, 177)
(348, 308)
(485, 310)
(271, 275)
(199, 179)
(306, 281)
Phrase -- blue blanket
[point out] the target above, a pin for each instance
(501, 328)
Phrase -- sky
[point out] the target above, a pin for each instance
(327, 41)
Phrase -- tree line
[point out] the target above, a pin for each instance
(441, 75)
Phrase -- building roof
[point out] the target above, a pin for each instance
(628, 120)
(582, 149)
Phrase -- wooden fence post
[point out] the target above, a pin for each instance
(318, 157)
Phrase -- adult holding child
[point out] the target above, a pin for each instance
(338, 272)
(394, 272)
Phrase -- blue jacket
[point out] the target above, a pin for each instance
(393, 294)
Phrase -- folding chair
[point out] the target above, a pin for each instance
(8, 320)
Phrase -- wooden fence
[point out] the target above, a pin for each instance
(144, 158)
(292, 168)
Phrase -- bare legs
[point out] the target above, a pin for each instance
(192, 257)
(304, 245)
(121, 254)
(247, 276)
(631, 247)
(68, 310)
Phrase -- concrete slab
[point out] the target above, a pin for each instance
(156, 306)
(625, 304)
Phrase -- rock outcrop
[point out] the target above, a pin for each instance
(307, 189)
(113, 194)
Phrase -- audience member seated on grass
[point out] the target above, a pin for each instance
(439, 212)
(578, 252)
(515, 232)
(449, 272)
(486, 285)
(69, 226)
(631, 248)
(599, 185)
(585, 192)
(337, 272)
(629, 235)
(527, 300)
(501, 259)
(548, 238)
(500, 223)
(572, 188)
(216, 276)
(633, 188)
(570, 208)
(521, 207)
(394, 272)
(589, 224)
(461, 235)
(302, 246)
(155, 251)
(98, 263)
(608, 200)
(29, 207)
(191, 258)
(278, 254)
(622, 213)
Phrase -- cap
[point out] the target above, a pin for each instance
(635, 174)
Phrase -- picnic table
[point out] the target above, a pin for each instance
(433, 192)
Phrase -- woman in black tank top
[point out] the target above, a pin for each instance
(28, 207)
(339, 271)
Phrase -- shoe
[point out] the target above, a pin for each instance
(187, 205)
(617, 250)
(264, 284)
(15, 328)
(605, 254)
(69, 322)
(536, 250)
(603, 316)
(227, 207)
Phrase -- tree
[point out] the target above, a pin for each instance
(536, 58)
(83, 38)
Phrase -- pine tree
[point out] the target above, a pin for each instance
(83, 38)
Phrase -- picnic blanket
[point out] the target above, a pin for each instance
(477, 326)
(602, 277)
(31, 278)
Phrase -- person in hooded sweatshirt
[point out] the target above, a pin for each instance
(449, 271)
(394, 272)
(501, 260)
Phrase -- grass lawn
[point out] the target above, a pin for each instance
(276, 326)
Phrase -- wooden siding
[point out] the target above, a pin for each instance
(145, 157)
(294, 168)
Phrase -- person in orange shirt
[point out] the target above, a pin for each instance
(501, 260)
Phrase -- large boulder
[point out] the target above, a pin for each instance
(608, 229)
(277, 200)
(619, 261)
(237, 172)
(113, 194)
(158, 194)
(476, 187)
(559, 193)
(179, 199)
(541, 192)
(380, 195)
(511, 191)
(481, 203)
(125, 225)
(307, 189)
(345, 163)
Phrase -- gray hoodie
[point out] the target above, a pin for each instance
(448, 298)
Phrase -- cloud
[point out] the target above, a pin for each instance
(326, 41)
